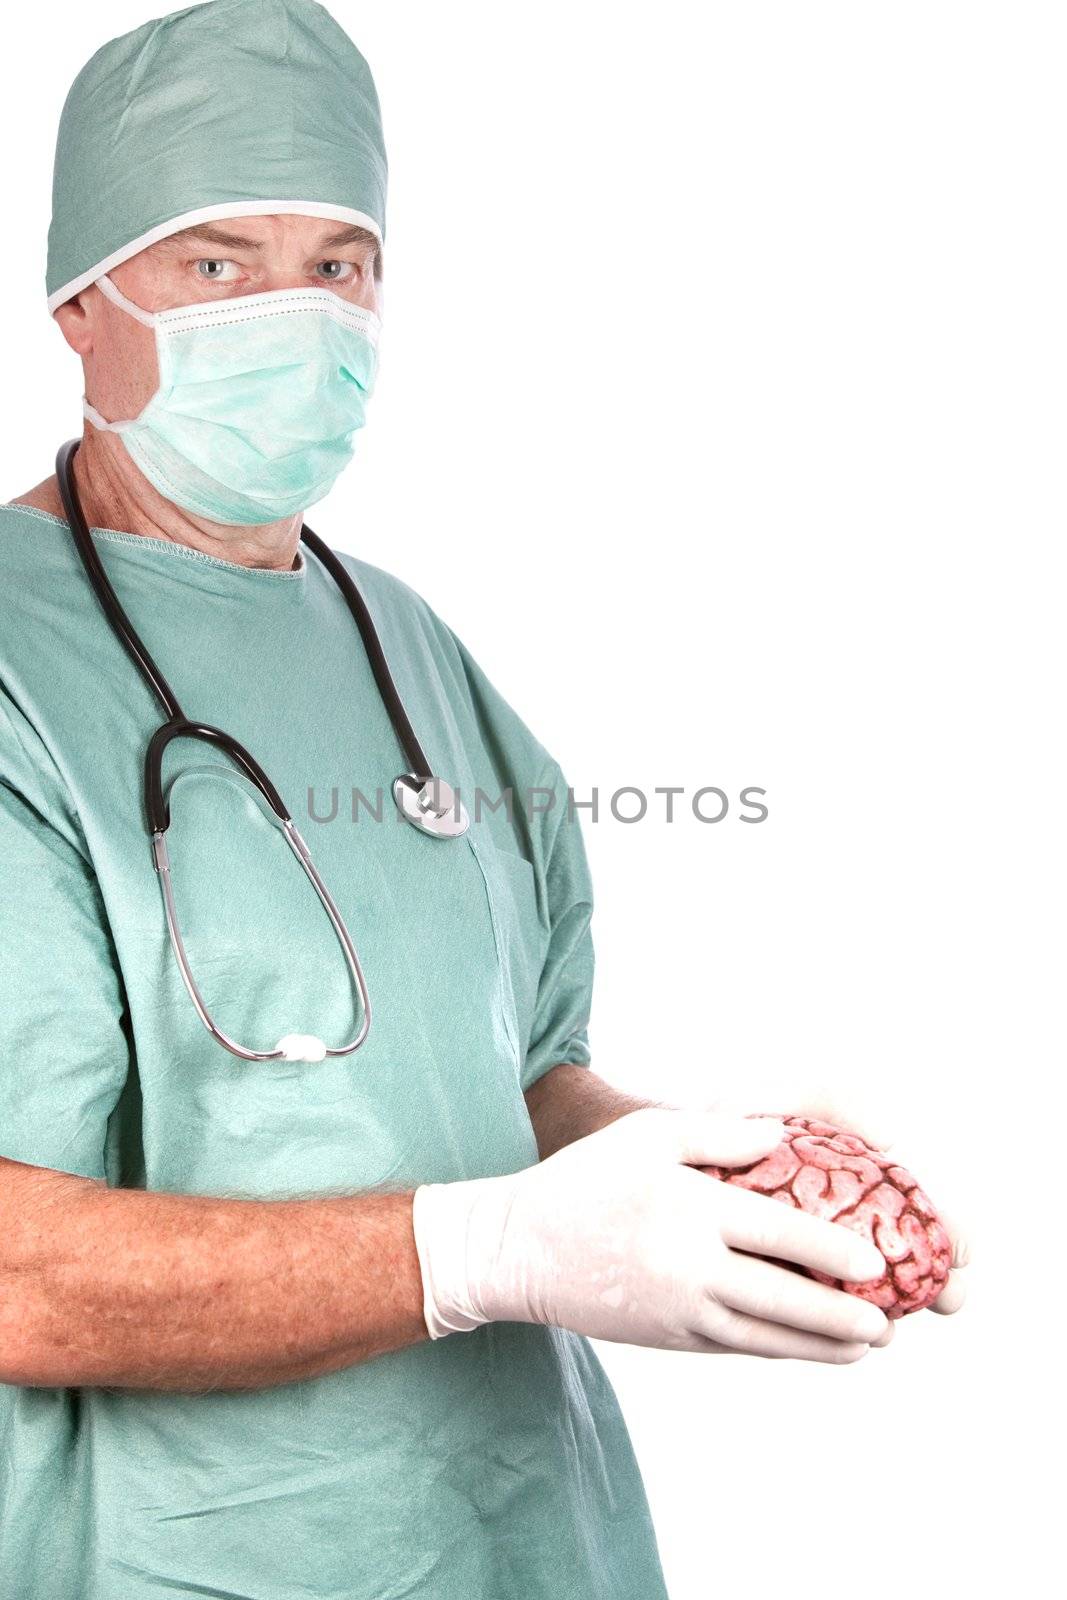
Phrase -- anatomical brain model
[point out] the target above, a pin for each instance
(829, 1173)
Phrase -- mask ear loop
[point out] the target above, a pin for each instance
(90, 411)
(111, 292)
(148, 318)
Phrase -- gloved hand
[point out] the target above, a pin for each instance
(618, 1237)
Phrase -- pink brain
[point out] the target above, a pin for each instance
(826, 1172)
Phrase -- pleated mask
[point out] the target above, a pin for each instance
(259, 399)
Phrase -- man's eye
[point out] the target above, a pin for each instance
(335, 271)
(211, 269)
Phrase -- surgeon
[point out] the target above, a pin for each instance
(282, 1315)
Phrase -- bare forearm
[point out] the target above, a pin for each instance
(119, 1287)
(566, 1103)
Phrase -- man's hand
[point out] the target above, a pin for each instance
(617, 1236)
(568, 1103)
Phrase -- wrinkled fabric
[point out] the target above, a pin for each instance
(259, 400)
(494, 1465)
(238, 105)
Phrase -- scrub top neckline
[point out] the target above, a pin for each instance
(170, 547)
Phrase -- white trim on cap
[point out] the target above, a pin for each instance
(229, 208)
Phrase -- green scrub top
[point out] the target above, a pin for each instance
(493, 1465)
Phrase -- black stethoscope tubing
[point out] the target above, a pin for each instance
(178, 725)
(428, 803)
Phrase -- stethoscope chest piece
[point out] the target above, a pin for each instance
(431, 805)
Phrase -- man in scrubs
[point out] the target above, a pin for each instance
(299, 1327)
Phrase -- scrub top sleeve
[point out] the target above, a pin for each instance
(64, 1054)
(560, 1032)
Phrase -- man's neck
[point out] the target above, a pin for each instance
(114, 494)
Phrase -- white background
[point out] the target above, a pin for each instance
(721, 413)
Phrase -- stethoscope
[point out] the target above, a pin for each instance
(428, 803)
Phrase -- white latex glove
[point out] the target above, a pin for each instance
(618, 1237)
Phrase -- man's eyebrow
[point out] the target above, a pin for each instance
(353, 235)
(236, 241)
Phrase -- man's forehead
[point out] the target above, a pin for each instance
(241, 233)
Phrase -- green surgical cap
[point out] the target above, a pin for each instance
(234, 108)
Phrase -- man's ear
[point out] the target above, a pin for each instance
(75, 322)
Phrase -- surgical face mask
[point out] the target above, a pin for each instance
(258, 401)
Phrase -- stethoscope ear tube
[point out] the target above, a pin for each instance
(101, 583)
(413, 751)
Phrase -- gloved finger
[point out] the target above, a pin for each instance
(726, 1107)
(768, 1227)
(730, 1330)
(765, 1290)
(961, 1244)
(887, 1337)
(736, 1141)
(952, 1295)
